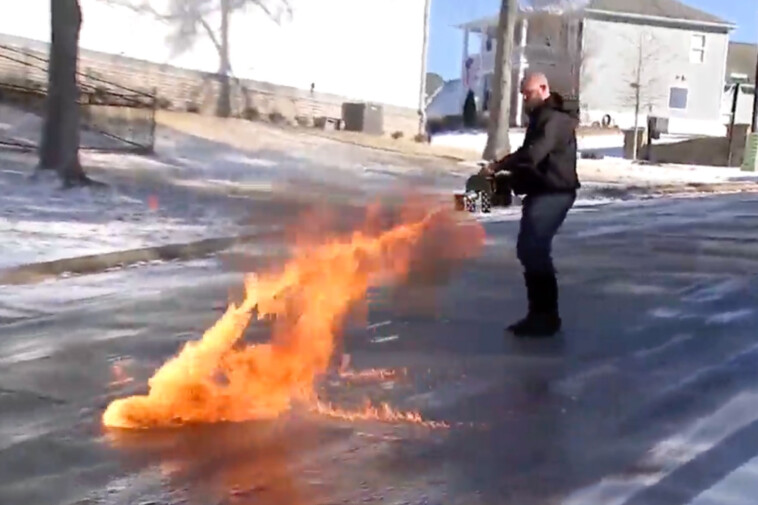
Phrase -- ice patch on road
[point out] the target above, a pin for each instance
(740, 487)
(715, 292)
(729, 317)
(634, 289)
(670, 454)
(667, 313)
(573, 385)
(652, 351)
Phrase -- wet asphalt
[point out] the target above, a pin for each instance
(648, 397)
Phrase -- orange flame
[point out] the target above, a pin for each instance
(373, 374)
(383, 412)
(120, 375)
(219, 378)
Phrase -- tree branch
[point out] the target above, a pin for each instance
(211, 35)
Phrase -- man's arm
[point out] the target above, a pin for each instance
(531, 155)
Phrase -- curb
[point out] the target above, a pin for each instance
(33, 273)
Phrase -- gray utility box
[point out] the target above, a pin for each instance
(750, 163)
(363, 117)
(657, 125)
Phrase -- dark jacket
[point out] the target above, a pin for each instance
(546, 163)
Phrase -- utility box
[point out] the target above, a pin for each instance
(750, 159)
(571, 104)
(363, 117)
(656, 126)
(629, 143)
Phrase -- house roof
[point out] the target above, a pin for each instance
(642, 9)
(741, 59)
(670, 9)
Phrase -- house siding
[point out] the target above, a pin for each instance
(611, 52)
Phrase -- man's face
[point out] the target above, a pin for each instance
(533, 94)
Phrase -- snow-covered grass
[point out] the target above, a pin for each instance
(212, 177)
(475, 141)
(194, 187)
(624, 171)
(39, 221)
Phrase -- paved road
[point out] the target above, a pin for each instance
(649, 397)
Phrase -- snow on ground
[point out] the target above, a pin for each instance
(205, 173)
(476, 140)
(624, 171)
(620, 173)
(607, 144)
(40, 222)
(192, 188)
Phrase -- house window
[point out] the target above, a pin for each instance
(678, 98)
(697, 49)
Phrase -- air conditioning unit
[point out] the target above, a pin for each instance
(363, 117)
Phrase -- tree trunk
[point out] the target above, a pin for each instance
(224, 107)
(422, 99)
(59, 149)
(498, 142)
(754, 122)
(637, 98)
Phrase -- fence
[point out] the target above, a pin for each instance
(113, 117)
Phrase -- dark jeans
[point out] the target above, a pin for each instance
(541, 217)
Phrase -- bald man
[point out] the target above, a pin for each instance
(543, 171)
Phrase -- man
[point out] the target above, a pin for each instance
(544, 171)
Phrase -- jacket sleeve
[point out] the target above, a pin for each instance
(530, 155)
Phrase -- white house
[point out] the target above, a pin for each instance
(673, 54)
(367, 50)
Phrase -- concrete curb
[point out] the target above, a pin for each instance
(33, 273)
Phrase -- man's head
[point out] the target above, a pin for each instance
(535, 90)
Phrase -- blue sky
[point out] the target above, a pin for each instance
(446, 42)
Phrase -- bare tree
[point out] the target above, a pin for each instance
(498, 141)
(754, 119)
(645, 84)
(59, 148)
(192, 19)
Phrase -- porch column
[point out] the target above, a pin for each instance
(482, 52)
(465, 54)
(522, 65)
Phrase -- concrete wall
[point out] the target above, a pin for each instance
(367, 50)
(612, 50)
(187, 90)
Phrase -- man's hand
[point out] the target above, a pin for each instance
(488, 170)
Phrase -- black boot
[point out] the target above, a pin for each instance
(543, 319)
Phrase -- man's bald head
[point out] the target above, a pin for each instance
(535, 89)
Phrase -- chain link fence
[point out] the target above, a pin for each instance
(113, 117)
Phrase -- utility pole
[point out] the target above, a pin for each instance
(754, 123)
(498, 142)
(424, 57)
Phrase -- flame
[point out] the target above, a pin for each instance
(120, 375)
(383, 412)
(372, 374)
(220, 378)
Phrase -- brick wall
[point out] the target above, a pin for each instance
(181, 89)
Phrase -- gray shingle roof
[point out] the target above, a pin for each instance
(673, 9)
(741, 59)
